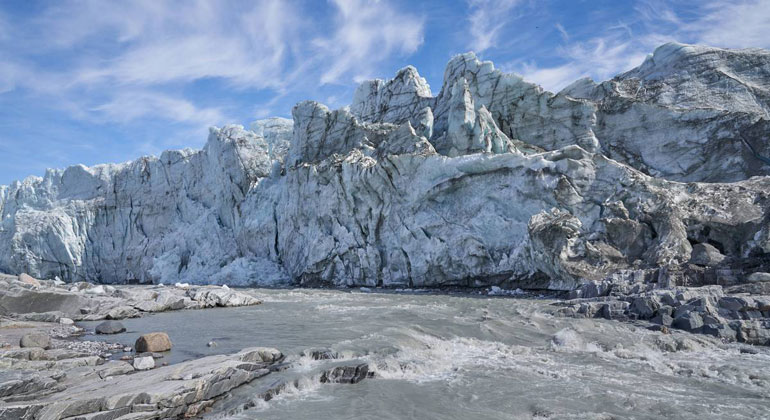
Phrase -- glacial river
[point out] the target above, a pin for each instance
(467, 357)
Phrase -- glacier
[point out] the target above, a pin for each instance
(492, 181)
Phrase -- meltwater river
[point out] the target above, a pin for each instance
(466, 357)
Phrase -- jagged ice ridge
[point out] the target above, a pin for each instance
(493, 181)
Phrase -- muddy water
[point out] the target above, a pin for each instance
(465, 357)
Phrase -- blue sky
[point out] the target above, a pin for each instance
(108, 81)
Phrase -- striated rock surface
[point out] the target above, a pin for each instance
(184, 390)
(492, 181)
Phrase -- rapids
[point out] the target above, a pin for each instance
(439, 356)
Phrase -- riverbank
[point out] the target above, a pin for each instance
(411, 336)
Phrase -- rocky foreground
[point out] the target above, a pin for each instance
(46, 372)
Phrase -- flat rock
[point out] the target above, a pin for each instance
(175, 391)
(35, 340)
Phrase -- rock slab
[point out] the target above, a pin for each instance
(35, 340)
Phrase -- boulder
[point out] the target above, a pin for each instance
(734, 303)
(346, 374)
(27, 279)
(614, 309)
(144, 363)
(35, 340)
(171, 302)
(689, 321)
(720, 330)
(261, 355)
(156, 341)
(122, 312)
(662, 319)
(321, 354)
(110, 327)
(705, 255)
(114, 368)
(758, 277)
(66, 321)
(645, 306)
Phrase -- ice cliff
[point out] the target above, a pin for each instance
(492, 181)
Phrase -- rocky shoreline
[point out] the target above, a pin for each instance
(31, 299)
(729, 304)
(48, 372)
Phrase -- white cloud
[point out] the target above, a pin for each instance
(162, 42)
(129, 106)
(9, 76)
(119, 57)
(366, 33)
(599, 58)
(487, 18)
(734, 24)
(123, 50)
(717, 23)
(562, 32)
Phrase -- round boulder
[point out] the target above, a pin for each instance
(110, 327)
(156, 341)
(35, 340)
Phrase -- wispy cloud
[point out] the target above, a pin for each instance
(129, 106)
(162, 42)
(366, 33)
(599, 58)
(617, 48)
(734, 24)
(487, 18)
(562, 32)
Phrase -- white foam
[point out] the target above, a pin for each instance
(430, 358)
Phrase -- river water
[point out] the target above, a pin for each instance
(466, 357)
